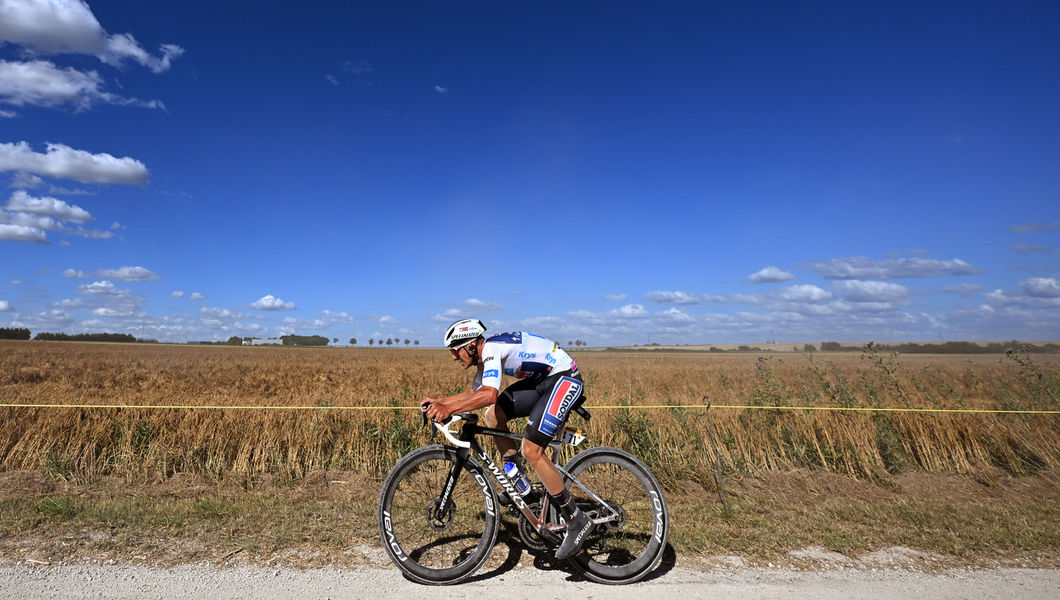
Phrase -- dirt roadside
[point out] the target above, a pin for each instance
(196, 581)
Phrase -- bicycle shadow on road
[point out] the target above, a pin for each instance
(508, 537)
(666, 564)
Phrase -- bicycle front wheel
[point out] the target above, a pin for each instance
(429, 542)
(626, 548)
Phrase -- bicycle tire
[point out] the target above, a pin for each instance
(427, 548)
(626, 551)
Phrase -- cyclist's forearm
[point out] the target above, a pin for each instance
(468, 401)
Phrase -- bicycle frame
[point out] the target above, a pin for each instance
(467, 443)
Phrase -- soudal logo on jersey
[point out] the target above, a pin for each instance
(563, 397)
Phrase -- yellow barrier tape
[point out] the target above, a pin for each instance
(593, 406)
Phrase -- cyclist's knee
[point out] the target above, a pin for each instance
(495, 417)
(532, 452)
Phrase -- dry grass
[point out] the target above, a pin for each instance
(154, 444)
(328, 518)
(178, 485)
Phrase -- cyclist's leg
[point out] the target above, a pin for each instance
(545, 421)
(558, 395)
(517, 400)
(497, 419)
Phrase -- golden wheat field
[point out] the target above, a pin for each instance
(648, 403)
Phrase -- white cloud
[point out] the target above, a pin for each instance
(1041, 287)
(451, 315)
(629, 311)
(123, 46)
(101, 287)
(129, 274)
(771, 275)
(21, 233)
(1034, 227)
(1030, 248)
(804, 293)
(356, 67)
(222, 313)
(50, 320)
(328, 318)
(5, 306)
(673, 297)
(477, 304)
(176, 294)
(387, 320)
(64, 162)
(22, 202)
(39, 222)
(859, 267)
(74, 274)
(870, 291)
(196, 296)
(30, 217)
(1017, 299)
(615, 297)
(69, 27)
(26, 181)
(113, 313)
(55, 27)
(674, 317)
(271, 303)
(42, 83)
(441, 90)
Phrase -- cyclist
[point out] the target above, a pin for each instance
(548, 384)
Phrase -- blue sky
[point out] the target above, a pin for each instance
(613, 172)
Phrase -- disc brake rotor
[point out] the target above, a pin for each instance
(440, 520)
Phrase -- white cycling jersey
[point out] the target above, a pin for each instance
(520, 354)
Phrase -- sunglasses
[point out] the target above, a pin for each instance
(456, 349)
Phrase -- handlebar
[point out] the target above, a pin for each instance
(445, 426)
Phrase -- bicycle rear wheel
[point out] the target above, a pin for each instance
(431, 543)
(624, 550)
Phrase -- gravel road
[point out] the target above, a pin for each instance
(93, 581)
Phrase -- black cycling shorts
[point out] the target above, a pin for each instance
(546, 402)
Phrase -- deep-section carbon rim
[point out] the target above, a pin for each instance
(626, 550)
(431, 543)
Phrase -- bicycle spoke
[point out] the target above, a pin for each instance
(625, 547)
(436, 538)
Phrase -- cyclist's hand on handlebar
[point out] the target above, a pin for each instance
(435, 411)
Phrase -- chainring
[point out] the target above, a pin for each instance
(536, 540)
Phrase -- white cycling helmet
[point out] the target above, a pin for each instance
(463, 332)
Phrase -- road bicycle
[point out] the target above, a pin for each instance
(439, 510)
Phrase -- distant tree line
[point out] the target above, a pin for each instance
(123, 338)
(14, 333)
(285, 340)
(388, 341)
(948, 348)
(304, 340)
